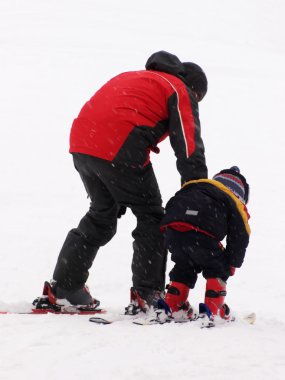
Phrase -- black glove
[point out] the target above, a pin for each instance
(122, 211)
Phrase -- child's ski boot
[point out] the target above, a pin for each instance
(214, 302)
(176, 299)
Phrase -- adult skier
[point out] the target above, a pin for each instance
(110, 142)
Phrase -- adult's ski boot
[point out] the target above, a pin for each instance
(59, 300)
(142, 301)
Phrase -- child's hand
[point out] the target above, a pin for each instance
(232, 270)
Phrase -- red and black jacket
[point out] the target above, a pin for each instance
(209, 207)
(134, 111)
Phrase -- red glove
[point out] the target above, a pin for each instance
(232, 270)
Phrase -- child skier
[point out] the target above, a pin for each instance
(197, 219)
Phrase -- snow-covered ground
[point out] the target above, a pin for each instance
(54, 54)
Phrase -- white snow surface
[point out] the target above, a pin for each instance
(54, 54)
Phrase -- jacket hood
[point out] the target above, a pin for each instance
(190, 73)
(165, 62)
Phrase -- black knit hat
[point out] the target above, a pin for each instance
(235, 182)
(196, 79)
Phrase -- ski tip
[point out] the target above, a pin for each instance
(140, 322)
(250, 318)
(100, 321)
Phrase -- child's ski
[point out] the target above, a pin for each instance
(205, 321)
(250, 318)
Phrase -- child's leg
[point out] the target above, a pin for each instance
(215, 296)
(176, 296)
(216, 274)
(183, 276)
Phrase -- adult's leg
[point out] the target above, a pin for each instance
(149, 258)
(150, 254)
(137, 189)
(95, 229)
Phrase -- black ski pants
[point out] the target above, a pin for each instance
(193, 253)
(111, 188)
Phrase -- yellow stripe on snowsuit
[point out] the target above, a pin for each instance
(239, 204)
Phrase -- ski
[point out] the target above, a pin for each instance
(45, 307)
(109, 318)
(47, 303)
(71, 311)
(155, 321)
(140, 318)
(250, 318)
(204, 315)
(151, 320)
(205, 322)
